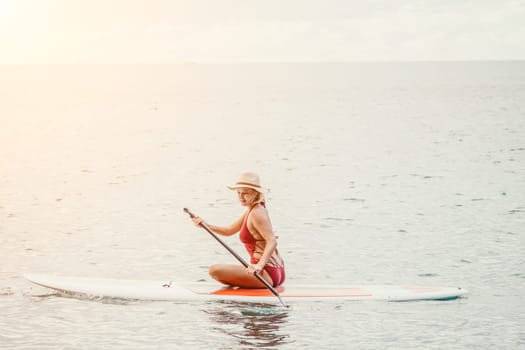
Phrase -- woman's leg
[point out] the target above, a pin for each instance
(235, 275)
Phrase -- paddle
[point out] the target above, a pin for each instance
(241, 260)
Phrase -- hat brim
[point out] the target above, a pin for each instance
(235, 187)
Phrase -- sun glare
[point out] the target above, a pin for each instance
(7, 14)
(6, 8)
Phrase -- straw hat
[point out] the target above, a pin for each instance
(248, 180)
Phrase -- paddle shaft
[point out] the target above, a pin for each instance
(238, 257)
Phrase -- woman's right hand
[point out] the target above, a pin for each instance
(197, 221)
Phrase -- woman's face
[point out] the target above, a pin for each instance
(246, 196)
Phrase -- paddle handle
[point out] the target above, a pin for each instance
(237, 256)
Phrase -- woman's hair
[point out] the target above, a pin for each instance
(259, 198)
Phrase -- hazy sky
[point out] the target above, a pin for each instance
(163, 31)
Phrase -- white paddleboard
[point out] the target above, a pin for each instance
(169, 291)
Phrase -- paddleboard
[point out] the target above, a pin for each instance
(170, 291)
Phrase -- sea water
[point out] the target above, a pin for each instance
(376, 173)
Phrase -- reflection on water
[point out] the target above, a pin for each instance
(250, 325)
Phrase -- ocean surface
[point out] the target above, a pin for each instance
(377, 173)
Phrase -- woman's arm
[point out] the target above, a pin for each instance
(222, 230)
(261, 223)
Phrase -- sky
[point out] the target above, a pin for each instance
(203, 31)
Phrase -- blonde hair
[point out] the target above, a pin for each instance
(259, 198)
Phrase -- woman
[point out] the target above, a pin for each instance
(257, 235)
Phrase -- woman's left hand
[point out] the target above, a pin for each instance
(253, 268)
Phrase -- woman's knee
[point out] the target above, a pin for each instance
(215, 271)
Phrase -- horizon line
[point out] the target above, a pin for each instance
(189, 62)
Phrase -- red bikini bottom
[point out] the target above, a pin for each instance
(277, 274)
